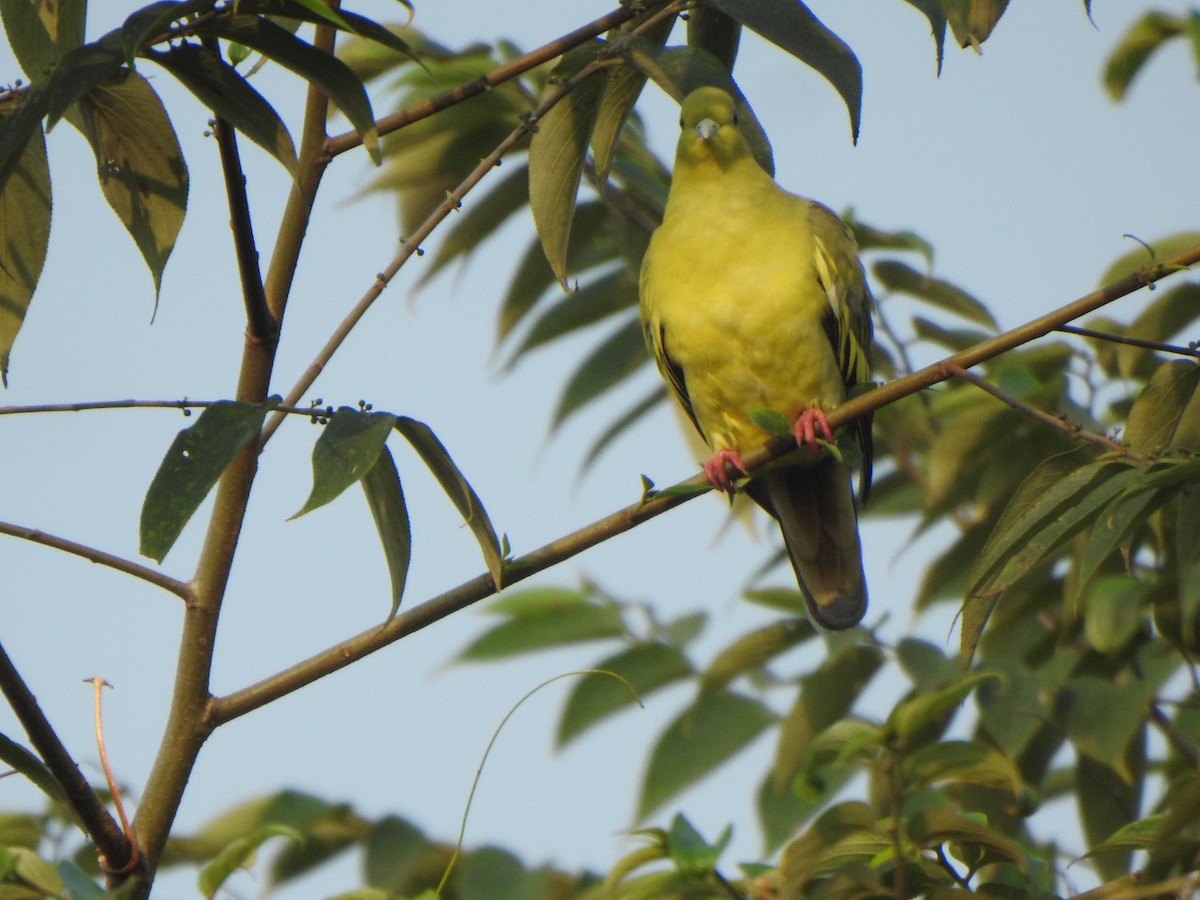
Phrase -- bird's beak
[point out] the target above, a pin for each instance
(706, 128)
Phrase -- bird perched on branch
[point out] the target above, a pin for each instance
(754, 299)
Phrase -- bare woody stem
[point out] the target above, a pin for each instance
(95, 819)
(340, 655)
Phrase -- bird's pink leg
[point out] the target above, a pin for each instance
(716, 470)
(806, 428)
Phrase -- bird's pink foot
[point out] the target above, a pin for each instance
(807, 426)
(716, 470)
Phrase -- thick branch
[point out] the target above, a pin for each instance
(91, 554)
(239, 703)
(84, 803)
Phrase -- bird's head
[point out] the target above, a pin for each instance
(709, 121)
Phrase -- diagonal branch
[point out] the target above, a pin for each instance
(223, 709)
(83, 801)
(91, 554)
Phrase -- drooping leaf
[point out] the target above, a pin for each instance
(41, 33)
(151, 21)
(1109, 798)
(961, 762)
(1116, 523)
(22, 119)
(237, 854)
(392, 851)
(196, 459)
(139, 163)
(557, 625)
(1145, 254)
(790, 25)
(619, 355)
(704, 736)
(25, 203)
(345, 452)
(936, 14)
(385, 498)
(939, 825)
(1102, 718)
(715, 32)
(327, 72)
(928, 712)
(219, 87)
(899, 276)
(689, 851)
(751, 652)
(1116, 609)
(596, 696)
(24, 761)
(458, 489)
(1173, 312)
(1135, 48)
(556, 154)
(850, 822)
(80, 71)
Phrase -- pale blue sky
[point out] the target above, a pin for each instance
(1014, 164)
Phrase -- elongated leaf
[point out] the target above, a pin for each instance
(1174, 311)
(25, 203)
(78, 883)
(556, 155)
(939, 825)
(1101, 718)
(237, 854)
(22, 119)
(347, 449)
(460, 492)
(1116, 609)
(327, 72)
(928, 712)
(790, 25)
(619, 355)
(707, 734)
(552, 628)
(1158, 409)
(899, 276)
(596, 696)
(219, 87)
(21, 760)
(809, 854)
(149, 22)
(953, 339)
(825, 697)
(622, 424)
(320, 13)
(33, 34)
(81, 70)
(1108, 799)
(1147, 254)
(1138, 44)
(198, 456)
(1113, 526)
(140, 165)
(961, 762)
(934, 12)
(751, 652)
(594, 301)
(385, 498)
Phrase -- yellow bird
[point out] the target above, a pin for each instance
(753, 298)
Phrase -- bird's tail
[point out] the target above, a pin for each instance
(815, 508)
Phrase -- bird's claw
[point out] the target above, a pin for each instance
(806, 429)
(716, 470)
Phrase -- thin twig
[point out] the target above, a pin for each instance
(95, 820)
(1191, 351)
(412, 244)
(98, 684)
(185, 405)
(261, 326)
(1069, 428)
(342, 654)
(509, 70)
(179, 588)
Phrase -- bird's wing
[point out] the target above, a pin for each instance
(847, 319)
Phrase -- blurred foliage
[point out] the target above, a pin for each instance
(1076, 563)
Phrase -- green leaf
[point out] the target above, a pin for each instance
(596, 696)
(940, 825)
(328, 73)
(385, 498)
(1101, 718)
(825, 697)
(1173, 312)
(40, 33)
(198, 456)
(391, 852)
(80, 71)
(972, 21)
(750, 653)
(1122, 517)
(1133, 836)
(953, 339)
(1138, 44)
(1160, 406)
(345, 452)
(595, 301)
(573, 624)
(898, 276)
(930, 711)
(556, 154)
(25, 201)
(790, 25)
(152, 20)
(78, 883)
(1147, 254)
(219, 87)
(703, 737)
(960, 762)
(806, 856)
(936, 14)
(22, 119)
(771, 421)
(619, 355)
(139, 163)
(1116, 609)
(21, 760)
(713, 31)
(237, 854)
(691, 854)
(785, 600)
(460, 492)
(623, 423)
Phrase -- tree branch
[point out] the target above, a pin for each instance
(224, 709)
(1191, 351)
(91, 554)
(92, 816)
